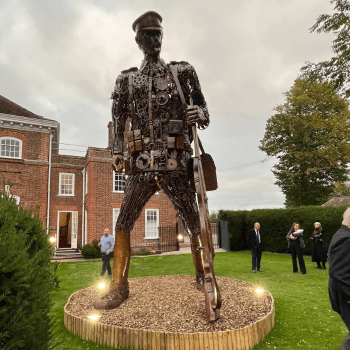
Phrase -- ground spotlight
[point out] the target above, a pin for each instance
(259, 291)
(101, 285)
(94, 317)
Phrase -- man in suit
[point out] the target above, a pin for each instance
(339, 274)
(256, 246)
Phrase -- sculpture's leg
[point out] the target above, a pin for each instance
(138, 190)
(119, 289)
(178, 187)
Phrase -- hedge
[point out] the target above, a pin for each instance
(275, 224)
(27, 277)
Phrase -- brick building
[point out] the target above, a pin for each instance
(78, 196)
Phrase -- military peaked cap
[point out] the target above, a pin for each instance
(149, 20)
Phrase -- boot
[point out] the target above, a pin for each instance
(197, 260)
(119, 288)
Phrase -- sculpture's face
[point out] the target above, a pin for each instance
(317, 225)
(151, 42)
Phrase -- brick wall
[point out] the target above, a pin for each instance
(29, 174)
(30, 178)
(101, 200)
(71, 165)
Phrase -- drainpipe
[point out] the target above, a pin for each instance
(83, 238)
(48, 190)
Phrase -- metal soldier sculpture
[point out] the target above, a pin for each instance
(162, 102)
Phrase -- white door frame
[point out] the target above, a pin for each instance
(58, 227)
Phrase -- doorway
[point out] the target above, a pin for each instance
(64, 229)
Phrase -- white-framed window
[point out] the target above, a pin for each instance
(116, 212)
(151, 223)
(66, 184)
(118, 181)
(10, 147)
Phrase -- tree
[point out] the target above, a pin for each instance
(27, 278)
(337, 69)
(310, 136)
(214, 216)
(341, 189)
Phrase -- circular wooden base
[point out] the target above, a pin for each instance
(111, 335)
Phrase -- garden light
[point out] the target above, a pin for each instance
(179, 237)
(259, 291)
(101, 285)
(52, 239)
(94, 317)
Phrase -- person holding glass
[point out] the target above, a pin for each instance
(319, 254)
(296, 245)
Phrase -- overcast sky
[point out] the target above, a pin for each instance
(60, 59)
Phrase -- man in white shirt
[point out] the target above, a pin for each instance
(106, 245)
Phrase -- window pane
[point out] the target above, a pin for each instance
(119, 182)
(151, 223)
(10, 148)
(66, 183)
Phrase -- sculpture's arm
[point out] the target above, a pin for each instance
(192, 88)
(119, 114)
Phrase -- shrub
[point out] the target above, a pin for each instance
(142, 252)
(27, 277)
(91, 251)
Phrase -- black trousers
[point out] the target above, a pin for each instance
(256, 257)
(106, 265)
(296, 251)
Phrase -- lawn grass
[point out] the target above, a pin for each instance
(304, 318)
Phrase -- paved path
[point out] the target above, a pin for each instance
(178, 252)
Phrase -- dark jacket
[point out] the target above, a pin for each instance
(252, 239)
(339, 269)
(299, 236)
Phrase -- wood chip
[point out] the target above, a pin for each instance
(173, 304)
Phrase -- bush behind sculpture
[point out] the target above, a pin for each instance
(275, 224)
(27, 277)
(91, 251)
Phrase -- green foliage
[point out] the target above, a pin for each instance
(27, 277)
(91, 251)
(237, 228)
(275, 224)
(213, 217)
(310, 136)
(341, 189)
(142, 252)
(336, 70)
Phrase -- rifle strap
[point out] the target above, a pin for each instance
(173, 69)
(131, 98)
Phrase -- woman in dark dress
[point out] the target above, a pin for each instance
(296, 245)
(318, 252)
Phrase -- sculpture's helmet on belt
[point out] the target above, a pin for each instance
(149, 20)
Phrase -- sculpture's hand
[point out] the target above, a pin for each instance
(117, 163)
(194, 115)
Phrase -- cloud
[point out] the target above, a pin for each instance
(60, 59)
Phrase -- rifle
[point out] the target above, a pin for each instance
(211, 289)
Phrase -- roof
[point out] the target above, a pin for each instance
(9, 107)
(337, 201)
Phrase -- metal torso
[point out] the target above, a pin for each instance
(159, 138)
